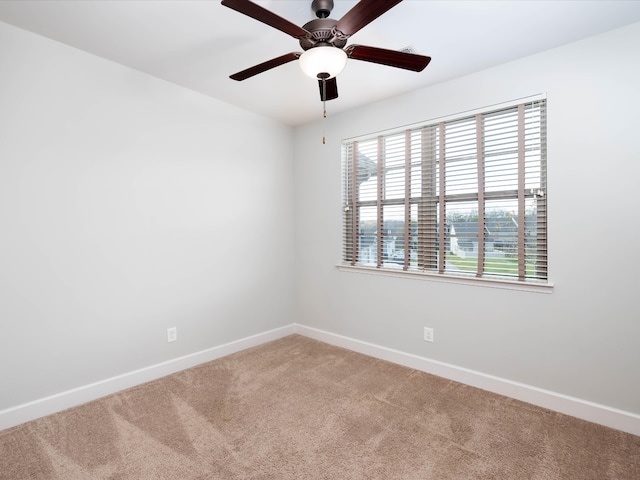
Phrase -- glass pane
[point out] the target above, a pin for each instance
(367, 231)
(501, 237)
(429, 239)
(394, 183)
(501, 132)
(368, 170)
(394, 150)
(416, 164)
(393, 236)
(394, 166)
(533, 147)
(431, 163)
(462, 237)
(413, 238)
(501, 172)
(535, 238)
(461, 170)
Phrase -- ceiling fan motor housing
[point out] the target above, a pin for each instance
(323, 31)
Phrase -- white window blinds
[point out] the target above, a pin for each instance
(463, 197)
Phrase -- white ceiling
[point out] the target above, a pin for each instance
(198, 44)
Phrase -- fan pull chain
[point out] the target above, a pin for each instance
(324, 122)
(324, 110)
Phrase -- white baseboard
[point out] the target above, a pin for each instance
(592, 412)
(77, 396)
(575, 407)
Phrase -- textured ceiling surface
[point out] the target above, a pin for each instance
(198, 44)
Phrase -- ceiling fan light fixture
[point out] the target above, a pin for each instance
(321, 60)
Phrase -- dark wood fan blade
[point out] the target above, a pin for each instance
(363, 13)
(268, 65)
(328, 89)
(392, 58)
(265, 16)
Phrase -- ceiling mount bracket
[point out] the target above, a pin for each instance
(322, 8)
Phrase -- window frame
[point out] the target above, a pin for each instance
(434, 199)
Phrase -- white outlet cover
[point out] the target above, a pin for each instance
(428, 334)
(172, 334)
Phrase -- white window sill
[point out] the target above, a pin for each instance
(542, 287)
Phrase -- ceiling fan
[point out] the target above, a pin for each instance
(323, 41)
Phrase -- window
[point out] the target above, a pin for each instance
(465, 197)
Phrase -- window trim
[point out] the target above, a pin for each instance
(528, 284)
(503, 283)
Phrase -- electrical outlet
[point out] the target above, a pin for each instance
(428, 334)
(172, 334)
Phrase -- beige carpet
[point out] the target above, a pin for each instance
(300, 409)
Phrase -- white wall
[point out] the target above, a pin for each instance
(581, 340)
(118, 219)
(129, 205)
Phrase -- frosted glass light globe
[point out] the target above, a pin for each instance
(323, 59)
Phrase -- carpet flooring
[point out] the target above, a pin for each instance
(297, 408)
